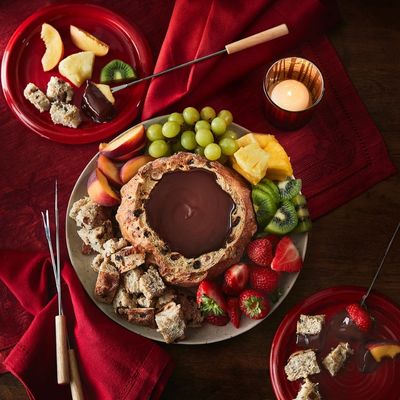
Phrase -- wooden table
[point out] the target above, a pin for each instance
(345, 246)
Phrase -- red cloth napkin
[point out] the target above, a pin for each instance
(114, 363)
(339, 154)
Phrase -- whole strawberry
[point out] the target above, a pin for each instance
(260, 251)
(264, 279)
(254, 304)
(218, 320)
(359, 316)
(235, 279)
(287, 257)
(210, 299)
(234, 311)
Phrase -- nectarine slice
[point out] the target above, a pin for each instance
(100, 191)
(381, 350)
(54, 47)
(109, 169)
(131, 167)
(126, 143)
(87, 42)
(131, 154)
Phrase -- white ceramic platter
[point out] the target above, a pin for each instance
(81, 263)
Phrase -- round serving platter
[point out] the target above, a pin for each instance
(81, 263)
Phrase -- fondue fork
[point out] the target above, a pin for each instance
(380, 265)
(67, 366)
(234, 47)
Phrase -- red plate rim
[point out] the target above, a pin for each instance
(130, 30)
(310, 301)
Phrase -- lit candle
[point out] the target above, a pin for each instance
(291, 95)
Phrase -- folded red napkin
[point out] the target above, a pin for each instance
(114, 363)
(339, 154)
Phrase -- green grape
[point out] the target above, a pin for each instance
(201, 124)
(212, 151)
(158, 148)
(227, 116)
(230, 134)
(218, 126)
(204, 137)
(199, 151)
(171, 129)
(191, 115)
(177, 117)
(207, 113)
(154, 132)
(228, 146)
(188, 140)
(177, 146)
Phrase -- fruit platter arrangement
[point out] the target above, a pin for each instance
(188, 221)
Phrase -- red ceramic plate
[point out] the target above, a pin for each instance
(349, 384)
(22, 64)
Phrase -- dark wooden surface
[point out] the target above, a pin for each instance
(345, 245)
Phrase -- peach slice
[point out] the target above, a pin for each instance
(131, 167)
(126, 143)
(87, 42)
(54, 47)
(133, 153)
(109, 169)
(100, 191)
(384, 349)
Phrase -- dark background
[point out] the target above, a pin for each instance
(345, 246)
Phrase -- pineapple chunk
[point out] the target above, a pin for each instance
(263, 139)
(247, 139)
(279, 167)
(245, 175)
(253, 160)
(77, 67)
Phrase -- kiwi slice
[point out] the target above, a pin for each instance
(117, 71)
(289, 188)
(284, 220)
(265, 209)
(303, 216)
(269, 187)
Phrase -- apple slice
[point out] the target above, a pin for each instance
(85, 41)
(384, 349)
(126, 143)
(100, 191)
(131, 167)
(109, 169)
(77, 67)
(131, 154)
(106, 90)
(54, 47)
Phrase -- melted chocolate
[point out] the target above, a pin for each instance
(95, 105)
(315, 342)
(344, 328)
(190, 212)
(365, 361)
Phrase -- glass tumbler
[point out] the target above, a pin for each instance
(303, 71)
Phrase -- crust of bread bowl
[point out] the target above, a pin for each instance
(174, 267)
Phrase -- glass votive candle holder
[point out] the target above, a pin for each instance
(291, 105)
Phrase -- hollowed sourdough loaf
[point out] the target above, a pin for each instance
(174, 267)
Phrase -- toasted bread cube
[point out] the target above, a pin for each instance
(96, 237)
(87, 213)
(131, 281)
(335, 360)
(65, 114)
(151, 283)
(170, 322)
(308, 391)
(123, 301)
(310, 324)
(128, 258)
(36, 97)
(112, 245)
(301, 364)
(59, 90)
(107, 282)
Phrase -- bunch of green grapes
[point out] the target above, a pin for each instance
(204, 133)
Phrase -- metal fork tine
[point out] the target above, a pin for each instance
(48, 237)
(58, 278)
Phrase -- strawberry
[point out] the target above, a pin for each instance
(234, 311)
(235, 279)
(219, 320)
(359, 316)
(254, 304)
(264, 279)
(287, 257)
(260, 251)
(210, 299)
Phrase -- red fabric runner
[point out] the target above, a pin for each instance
(339, 155)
